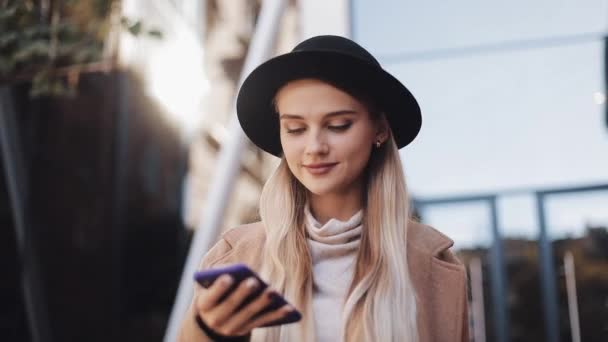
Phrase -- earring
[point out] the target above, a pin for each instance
(378, 143)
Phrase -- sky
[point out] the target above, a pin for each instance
(511, 99)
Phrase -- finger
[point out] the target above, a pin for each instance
(243, 316)
(208, 298)
(229, 305)
(269, 317)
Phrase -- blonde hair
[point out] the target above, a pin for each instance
(380, 304)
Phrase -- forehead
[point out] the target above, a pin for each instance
(311, 96)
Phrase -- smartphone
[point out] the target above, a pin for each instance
(240, 272)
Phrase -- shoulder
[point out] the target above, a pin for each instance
(430, 259)
(239, 244)
(427, 240)
(252, 233)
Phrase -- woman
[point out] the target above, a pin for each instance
(336, 237)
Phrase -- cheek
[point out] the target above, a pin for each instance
(355, 146)
(292, 153)
(355, 153)
(359, 157)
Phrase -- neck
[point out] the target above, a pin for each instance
(341, 206)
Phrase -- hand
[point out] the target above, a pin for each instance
(222, 318)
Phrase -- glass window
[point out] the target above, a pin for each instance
(577, 227)
(518, 221)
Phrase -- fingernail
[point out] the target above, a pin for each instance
(252, 283)
(226, 279)
(289, 308)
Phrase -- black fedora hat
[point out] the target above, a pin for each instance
(334, 59)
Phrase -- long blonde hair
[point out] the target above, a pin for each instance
(380, 304)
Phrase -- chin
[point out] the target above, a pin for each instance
(320, 189)
(319, 192)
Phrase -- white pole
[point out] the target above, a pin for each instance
(229, 164)
(572, 297)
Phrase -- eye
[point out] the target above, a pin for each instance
(294, 130)
(340, 128)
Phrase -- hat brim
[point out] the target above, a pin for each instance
(260, 121)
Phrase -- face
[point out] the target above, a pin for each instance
(327, 136)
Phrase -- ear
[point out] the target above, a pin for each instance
(382, 130)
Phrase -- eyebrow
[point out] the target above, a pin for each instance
(330, 114)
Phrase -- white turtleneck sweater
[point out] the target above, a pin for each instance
(333, 247)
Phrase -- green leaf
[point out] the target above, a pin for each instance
(6, 65)
(135, 29)
(36, 31)
(57, 87)
(102, 7)
(38, 48)
(8, 12)
(68, 28)
(87, 54)
(40, 84)
(8, 38)
(155, 33)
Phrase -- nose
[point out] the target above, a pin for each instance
(317, 144)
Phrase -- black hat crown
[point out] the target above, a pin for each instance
(336, 44)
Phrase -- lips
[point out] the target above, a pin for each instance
(319, 168)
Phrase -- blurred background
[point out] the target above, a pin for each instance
(122, 163)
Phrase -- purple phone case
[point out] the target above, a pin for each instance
(240, 272)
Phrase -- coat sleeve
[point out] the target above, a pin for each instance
(189, 331)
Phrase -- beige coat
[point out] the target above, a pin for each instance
(439, 278)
